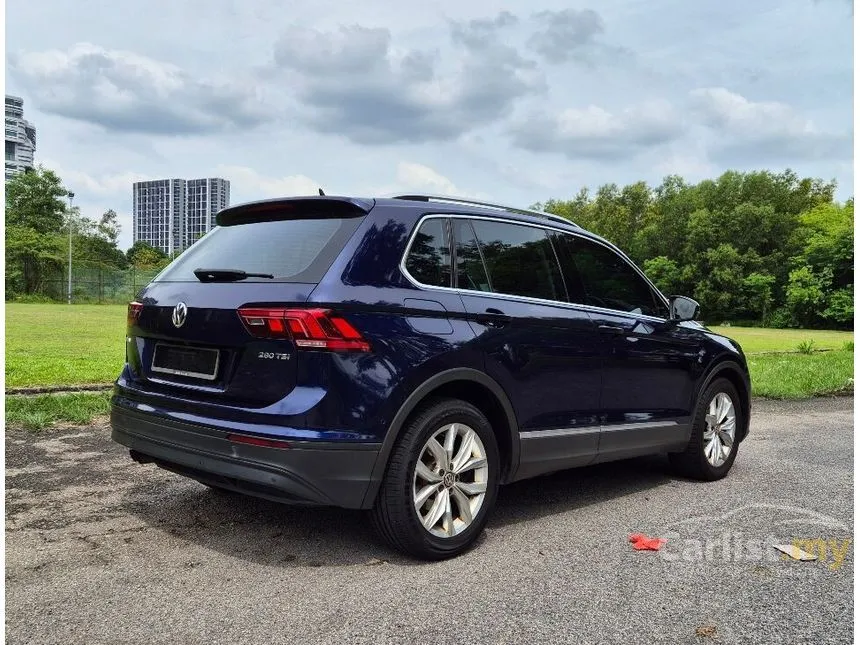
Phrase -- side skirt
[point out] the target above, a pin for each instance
(624, 440)
(547, 451)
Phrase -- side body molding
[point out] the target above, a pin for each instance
(415, 399)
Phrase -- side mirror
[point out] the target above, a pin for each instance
(683, 308)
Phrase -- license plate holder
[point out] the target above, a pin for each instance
(181, 360)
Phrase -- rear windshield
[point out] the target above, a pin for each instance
(296, 250)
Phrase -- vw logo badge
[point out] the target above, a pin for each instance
(180, 311)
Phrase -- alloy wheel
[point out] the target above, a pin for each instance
(450, 480)
(719, 435)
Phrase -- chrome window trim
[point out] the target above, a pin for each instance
(527, 299)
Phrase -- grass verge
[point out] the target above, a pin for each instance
(37, 412)
(756, 339)
(796, 376)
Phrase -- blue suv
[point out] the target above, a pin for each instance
(409, 355)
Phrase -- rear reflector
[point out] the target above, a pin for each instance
(308, 328)
(134, 309)
(257, 441)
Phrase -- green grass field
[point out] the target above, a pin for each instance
(795, 376)
(48, 344)
(54, 344)
(755, 339)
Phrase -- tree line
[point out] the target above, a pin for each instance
(37, 236)
(759, 248)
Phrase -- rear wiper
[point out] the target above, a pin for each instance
(227, 275)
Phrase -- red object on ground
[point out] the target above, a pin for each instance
(644, 543)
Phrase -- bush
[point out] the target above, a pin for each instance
(31, 298)
(840, 307)
(805, 295)
(806, 346)
(779, 319)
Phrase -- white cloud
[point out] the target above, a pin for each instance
(412, 178)
(416, 177)
(103, 185)
(724, 109)
(124, 91)
(764, 130)
(594, 132)
(356, 83)
(247, 181)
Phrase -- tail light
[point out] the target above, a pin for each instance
(134, 309)
(308, 328)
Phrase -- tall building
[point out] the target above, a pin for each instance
(205, 198)
(172, 214)
(20, 138)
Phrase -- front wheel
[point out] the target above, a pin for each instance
(441, 482)
(715, 436)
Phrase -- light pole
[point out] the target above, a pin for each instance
(71, 197)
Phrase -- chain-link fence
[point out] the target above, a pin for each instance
(98, 284)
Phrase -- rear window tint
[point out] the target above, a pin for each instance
(295, 250)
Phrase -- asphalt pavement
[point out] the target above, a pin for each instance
(102, 550)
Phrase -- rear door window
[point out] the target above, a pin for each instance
(429, 258)
(596, 275)
(520, 260)
(292, 250)
(471, 273)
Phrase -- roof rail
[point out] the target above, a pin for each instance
(472, 202)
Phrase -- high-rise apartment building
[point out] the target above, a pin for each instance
(172, 214)
(205, 197)
(20, 138)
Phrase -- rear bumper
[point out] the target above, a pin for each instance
(308, 472)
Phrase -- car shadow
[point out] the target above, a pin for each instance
(569, 490)
(273, 534)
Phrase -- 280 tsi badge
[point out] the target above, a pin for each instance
(276, 356)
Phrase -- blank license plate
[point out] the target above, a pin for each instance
(195, 362)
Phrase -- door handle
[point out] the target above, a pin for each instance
(493, 317)
(612, 329)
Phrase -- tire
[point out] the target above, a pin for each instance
(693, 462)
(395, 514)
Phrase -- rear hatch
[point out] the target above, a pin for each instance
(215, 325)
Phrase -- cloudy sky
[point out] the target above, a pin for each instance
(452, 97)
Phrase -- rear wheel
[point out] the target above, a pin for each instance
(441, 482)
(716, 432)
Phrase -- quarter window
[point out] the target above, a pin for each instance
(519, 260)
(597, 276)
(429, 259)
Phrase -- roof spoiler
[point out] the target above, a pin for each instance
(272, 210)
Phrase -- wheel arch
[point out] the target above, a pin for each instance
(737, 376)
(466, 384)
